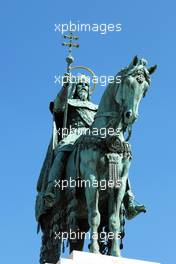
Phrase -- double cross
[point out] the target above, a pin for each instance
(70, 44)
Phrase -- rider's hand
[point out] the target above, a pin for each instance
(66, 79)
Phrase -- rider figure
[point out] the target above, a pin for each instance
(80, 116)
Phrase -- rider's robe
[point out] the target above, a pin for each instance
(86, 111)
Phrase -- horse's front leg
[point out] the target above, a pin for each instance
(115, 201)
(89, 175)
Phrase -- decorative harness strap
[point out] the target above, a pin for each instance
(104, 114)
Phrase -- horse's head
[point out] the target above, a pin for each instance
(135, 81)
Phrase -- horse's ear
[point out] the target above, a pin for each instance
(152, 69)
(119, 95)
(135, 60)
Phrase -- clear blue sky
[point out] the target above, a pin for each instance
(30, 56)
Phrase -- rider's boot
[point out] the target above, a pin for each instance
(50, 195)
(55, 175)
(132, 209)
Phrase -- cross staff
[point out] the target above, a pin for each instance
(71, 37)
(69, 60)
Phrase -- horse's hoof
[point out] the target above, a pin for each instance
(115, 253)
(94, 249)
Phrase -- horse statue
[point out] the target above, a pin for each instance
(101, 155)
(98, 158)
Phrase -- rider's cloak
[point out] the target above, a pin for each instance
(87, 111)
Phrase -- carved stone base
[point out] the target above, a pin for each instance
(80, 257)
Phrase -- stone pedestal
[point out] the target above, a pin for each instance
(80, 257)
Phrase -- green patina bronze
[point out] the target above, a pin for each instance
(87, 158)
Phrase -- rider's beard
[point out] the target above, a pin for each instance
(83, 95)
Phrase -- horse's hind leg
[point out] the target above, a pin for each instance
(78, 243)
